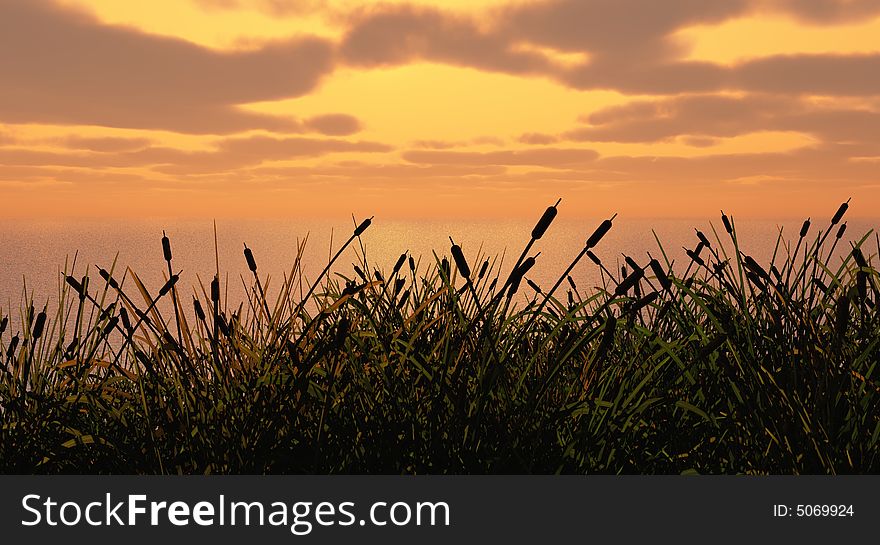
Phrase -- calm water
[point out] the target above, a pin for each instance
(35, 252)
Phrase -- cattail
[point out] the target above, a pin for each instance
(111, 325)
(658, 271)
(841, 230)
(400, 261)
(726, 222)
(695, 256)
(839, 214)
(39, 325)
(197, 307)
(631, 262)
(821, 285)
(166, 247)
(629, 282)
(859, 258)
(444, 267)
(753, 266)
(517, 275)
(483, 269)
(534, 286)
(3, 324)
(363, 227)
(460, 261)
(249, 257)
(571, 282)
(545, 221)
(703, 239)
(126, 323)
(594, 258)
(805, 228)
(378, 276)
(398, 285)
(570, 298)
(600, 232)
(493, 284)
(843, 316)
(222, 325)
(109, 279)
(360, 273)
(644, 301)
(74, 283)
(168, 285)
(719, 267)
(403, 299)
(215, 289)
(412, 264)
(10, 350)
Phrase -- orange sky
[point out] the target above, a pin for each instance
(430, 108)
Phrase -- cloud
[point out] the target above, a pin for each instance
(539, 156)
(828, 11)
(228, 154)
(108, 144)
(718, 116)
(64, 67)
(334, 124)
(536, 138)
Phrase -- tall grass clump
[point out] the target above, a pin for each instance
(720, 364)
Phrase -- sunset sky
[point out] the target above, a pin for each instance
(438, 108)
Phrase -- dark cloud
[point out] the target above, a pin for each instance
(828, 11)
(64, 67)
(334, 124)
(537, 138)
(718, 116)
(108, 144)
(229, 154)
(539, 156)
(402, 34)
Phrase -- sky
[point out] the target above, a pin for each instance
(438, 108)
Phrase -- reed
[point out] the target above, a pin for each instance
(721, 364)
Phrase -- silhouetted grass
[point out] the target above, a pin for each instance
(725, 366)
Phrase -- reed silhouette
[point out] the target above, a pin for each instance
(717, 365)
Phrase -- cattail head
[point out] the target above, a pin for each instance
(483, 268)
(841, 230)
(840, 212)
(460, 261)
(703, 240)
(594, 258)
(400, 261)
(363, 227)
(726, 221)
(123, 315)
(378, 276)
(534, 286)
(631, 262)
(39, 324)
(859, 258)
(168, 285)
(197, 307)
(111, 325)
(627, 283)
(805, 228)
(545, 221)
(249, 257)
(517, 275)
(571, 282)
(166, 247)
(10, 350)
(695, 256)
(398, 285)
(658, 271)
(109, 279)
(412, 264)
(358, 271)
(3, 323)
(600, 232)
(444, 267)
(75, 284)
(215, 289)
